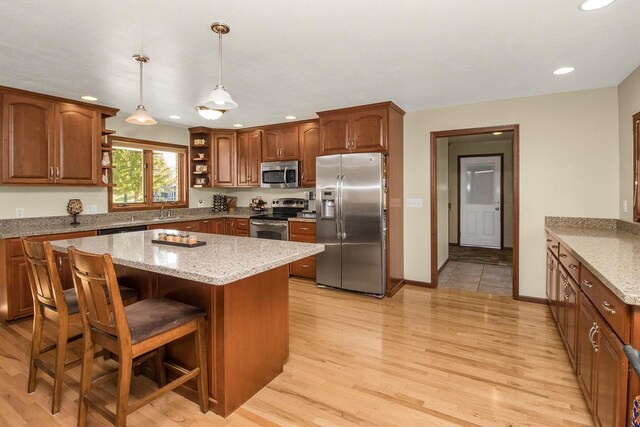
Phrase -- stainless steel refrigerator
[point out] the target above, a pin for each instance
(350, 222)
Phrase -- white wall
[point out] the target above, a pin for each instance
(481, 147)
(628, 105)
(568, 167)
(443, 200)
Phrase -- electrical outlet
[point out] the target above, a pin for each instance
(19, 212)
(624, 206)
(414, 203)
(92, 209)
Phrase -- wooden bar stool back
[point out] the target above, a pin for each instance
(49, 302)
(138, 332)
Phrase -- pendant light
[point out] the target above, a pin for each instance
(219, 99)
(140, 116)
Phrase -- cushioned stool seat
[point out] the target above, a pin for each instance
(153, 316)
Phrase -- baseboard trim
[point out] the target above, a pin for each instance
(419, 283)
(395, 288)
(534, 300)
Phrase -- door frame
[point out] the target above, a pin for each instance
(501, 155)
(515, 128)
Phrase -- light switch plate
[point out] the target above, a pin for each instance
(414, 203)
(19, 212)
(92, 209)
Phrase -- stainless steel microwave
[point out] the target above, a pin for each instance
(279, 174)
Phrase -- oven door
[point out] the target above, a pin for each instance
(265, 229)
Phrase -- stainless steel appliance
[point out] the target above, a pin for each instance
(279, 174)
(309, 210)
(351, 222)
(275, 225)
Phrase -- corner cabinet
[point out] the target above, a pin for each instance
(46, 140)
(362, 129)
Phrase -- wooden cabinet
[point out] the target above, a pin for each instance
(280, 144)
(567, 312)
(249, 154)
(586, 366)
(201, 155)
(195, 226)
(552, 283)
(236, 227)
(358, 129)
(224, 159)
(303, 232)
(15, 292)
(48, 141)
(217, 226)
(309, 139)
(76, 143)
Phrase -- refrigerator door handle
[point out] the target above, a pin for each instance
(338, 209)
(343, 234)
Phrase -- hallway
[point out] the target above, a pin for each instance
(495, 279)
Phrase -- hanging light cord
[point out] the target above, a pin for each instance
(141, 102)
(220, 58)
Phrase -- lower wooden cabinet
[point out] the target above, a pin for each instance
(236, 227)
(303, 232)
(195, 226)
(15, 292)
(552, 283)
(213, 226)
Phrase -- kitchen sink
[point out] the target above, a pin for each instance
(167, 219)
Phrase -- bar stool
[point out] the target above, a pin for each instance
(138, 332)
(51, 302)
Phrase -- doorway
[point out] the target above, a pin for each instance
(470, 234)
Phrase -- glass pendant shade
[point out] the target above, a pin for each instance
(209, 113)
(220, 99)
(141, 117)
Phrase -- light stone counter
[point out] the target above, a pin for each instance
(611, 254)
(298, 219)
(224, 259)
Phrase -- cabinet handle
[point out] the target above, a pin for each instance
(593, 338)
(302, 177)
(549, 240)
(304, 228)
(304, 265)
(573, 267)
(563, 255)
(554, 246)
(587, 283)
(608, 307)
(50, 172)
(566, 297)
(591, 332)
(57, 172)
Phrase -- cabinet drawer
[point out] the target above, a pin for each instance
(16, 247)
(589, 283)
(296, 227)
(569, 261)
(305, 238)
(242, 224)
(552, 244)
(614, 311)
(305, 267)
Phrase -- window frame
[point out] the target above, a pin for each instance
(636, 167)
(148, 148)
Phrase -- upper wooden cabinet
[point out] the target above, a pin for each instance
(46, 140)
(249, 151)
(223, 146)
(309, 138)
(280, 144)
(357, 129)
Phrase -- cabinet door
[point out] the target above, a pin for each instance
(289, 143)
(242, 163)
(229, 226)
(76, 144)
(586, 353)
(254, 158)
(27, 140)
(563, 283)
(206, 226)
(571, 320)
(369, 131)
(218, 226)
(224, 159)
(271, 146)
(612, 369)
(551, 267)
(334, 133)
(309, 143)
(20, 298)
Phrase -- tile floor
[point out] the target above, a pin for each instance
(495, 279)
(481, 255)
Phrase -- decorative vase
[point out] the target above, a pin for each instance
(106, 160)
(74, 207)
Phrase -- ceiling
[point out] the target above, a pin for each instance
(299, 57)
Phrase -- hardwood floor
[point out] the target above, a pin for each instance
(426, 357)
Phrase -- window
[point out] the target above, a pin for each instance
(147, 175)
(636, 167)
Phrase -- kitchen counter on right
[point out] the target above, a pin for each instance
(609, 248)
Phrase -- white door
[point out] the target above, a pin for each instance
(480, 201)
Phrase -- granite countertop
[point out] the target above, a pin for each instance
(55, 225)
(224, 259)
(611, 254)
(298, 219)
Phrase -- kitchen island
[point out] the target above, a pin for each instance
(241, 283)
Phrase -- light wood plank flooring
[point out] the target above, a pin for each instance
(422, 358)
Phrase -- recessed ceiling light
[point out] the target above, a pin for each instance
(175, 117)
(89, 98)
(290, 117)
(238, 125)
(497, 133)
(588, 5)
(563, 70)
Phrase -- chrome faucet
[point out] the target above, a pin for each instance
(169, 214)
(162, 210)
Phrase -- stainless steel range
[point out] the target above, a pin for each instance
(275, 225)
